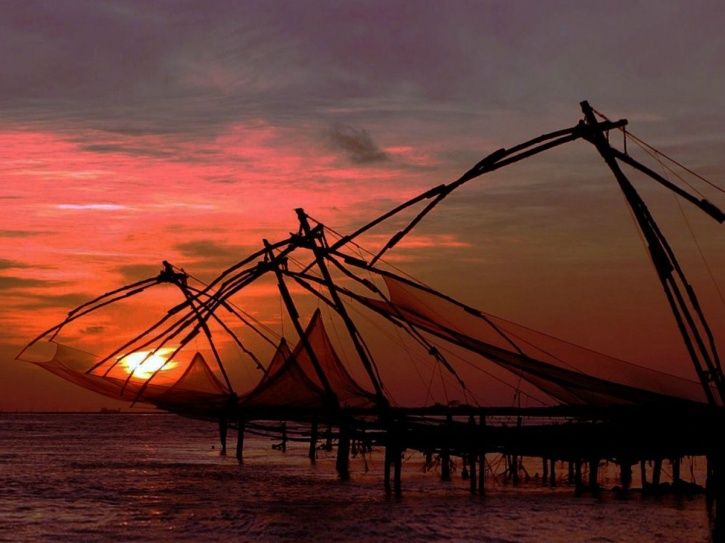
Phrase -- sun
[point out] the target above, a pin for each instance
(143, 364)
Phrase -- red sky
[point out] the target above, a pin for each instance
(135, 132)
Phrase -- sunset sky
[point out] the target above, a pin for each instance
(133, 132)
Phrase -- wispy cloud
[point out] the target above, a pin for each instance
(356, 144)
(92, 207)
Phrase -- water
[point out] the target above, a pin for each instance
(156, 477)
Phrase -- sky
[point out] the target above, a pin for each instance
(133, 132)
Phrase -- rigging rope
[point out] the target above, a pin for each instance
(643, 143)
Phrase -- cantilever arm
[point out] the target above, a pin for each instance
(705, 205)
(494, 161)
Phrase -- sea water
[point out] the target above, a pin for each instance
(133, 477)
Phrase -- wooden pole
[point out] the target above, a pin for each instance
(330, 397)
(675, 463)
(312, 453)
(223, 434)
(705, 361)
(388, 460)
(357, 342)
(578, 484)
(482, 455)
(284, 437)
(552, 472)
(656, 474)
(342, 463)
(594, 475)
(625, 474)
(472, 454)
(545, 471)
(570, 474)
(445, 451)
(240, 441)
(398, 459)
(643, 473)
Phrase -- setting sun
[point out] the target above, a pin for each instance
(143, 364)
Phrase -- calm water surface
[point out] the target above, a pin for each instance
(156, 477)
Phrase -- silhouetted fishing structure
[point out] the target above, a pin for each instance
(599, 408)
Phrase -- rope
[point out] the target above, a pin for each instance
(643, 143)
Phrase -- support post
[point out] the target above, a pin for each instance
(578, 483)
(388, 460)
(702, 353)
(240, 440)
(330, 397)
(594, 475)
(656, 474)
(223, 434)
(570, 474)
(643, 474)
(343, 450)
(312, 452)
(398, 459)
(472, 454)
(284, 437)
(545, 471)
(445, 451)
(482, 456)
(625, 474)
(675, 463)
(514, 466)
(365, 357)
(552, 473)
(398, 440)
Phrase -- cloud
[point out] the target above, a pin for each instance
(60, 301)
(135, 272)
(8, 264)
(207, 249)
(9, 282)
(356, 143)
(92, 207)
(127, 150)
(209, 255)
(19, 233)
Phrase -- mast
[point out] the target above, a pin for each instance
(319, 253)
(671, 276)
(330, 396)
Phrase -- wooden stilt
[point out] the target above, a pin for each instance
(445, 452)
(388, 460)
(625, 474)
(714, 495)
(594, 475)
(312, 452)
(578, 484)
(472, 455)
(223, 434)
(545, 471)
(514, 469)
(552, 473)
(240, 441)
(643, 474)
(284, 437)
(328, 438)
(343, 450)
(398, 466)
(675, 463)
(570, 474)
(482, 455)
(656, 474)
